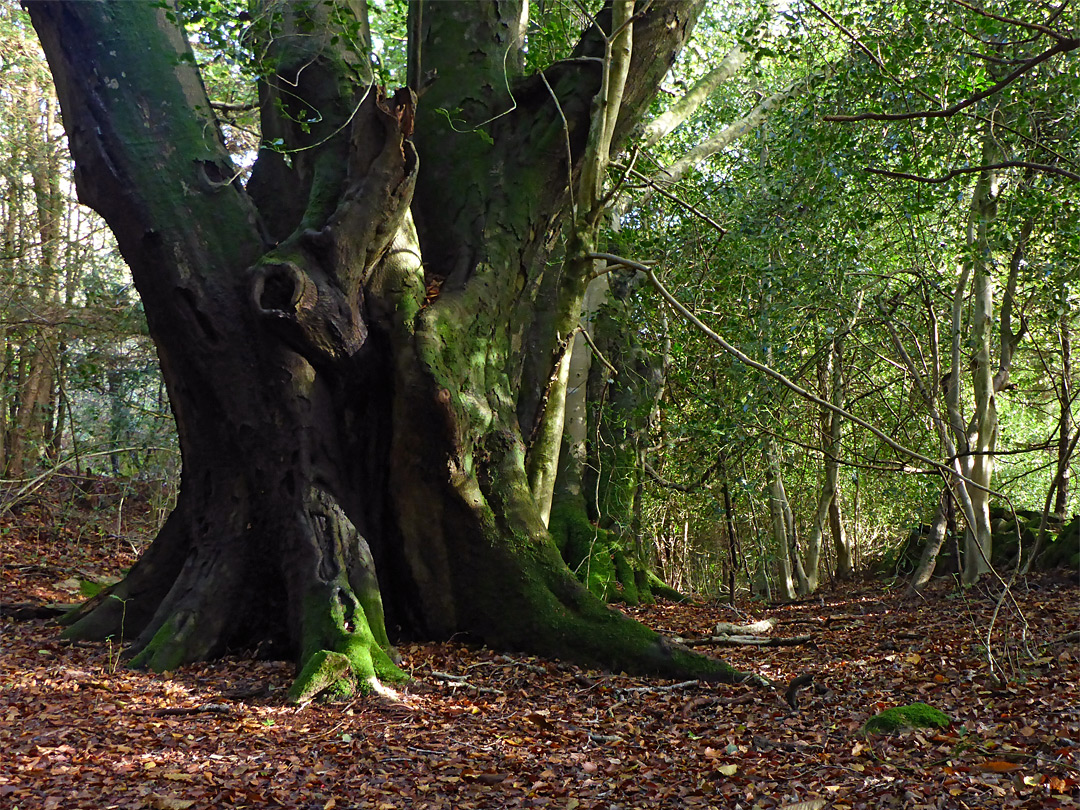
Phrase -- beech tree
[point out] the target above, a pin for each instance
(351, 339)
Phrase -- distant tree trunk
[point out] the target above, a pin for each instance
(32, 427)
(841, 540)
(988, 382)
(601, 481)
(934, 541)
(779, 511)
(828, 508)
(1065, 421)
(350, 442)
(733, 538)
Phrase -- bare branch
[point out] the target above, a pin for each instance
(849, 34)
(659, 189)
(1008, 164)
(1062, 46)
(780, 378)
(226, 106)
(666, 484)
(1042, 29)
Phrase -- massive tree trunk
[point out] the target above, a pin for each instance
(349, 342)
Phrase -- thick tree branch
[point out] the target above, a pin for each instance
(688, 104)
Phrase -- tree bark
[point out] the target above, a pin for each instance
(350, 443)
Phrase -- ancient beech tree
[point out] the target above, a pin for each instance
(352, 340)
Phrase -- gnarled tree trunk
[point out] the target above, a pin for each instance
(349, 341)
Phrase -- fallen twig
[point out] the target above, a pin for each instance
(753, 628)
(667, 688)
(205, 708)
(748, 641)
(25, 611)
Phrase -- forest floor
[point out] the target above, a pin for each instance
(483, 729)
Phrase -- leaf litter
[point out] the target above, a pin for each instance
(483, 729)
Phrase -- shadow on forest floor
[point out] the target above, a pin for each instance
(483, 729)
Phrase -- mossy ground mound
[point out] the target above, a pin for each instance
(914, 715)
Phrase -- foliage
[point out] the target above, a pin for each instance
(81, 387)
(822, 213)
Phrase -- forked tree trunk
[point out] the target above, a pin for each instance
(348, 440)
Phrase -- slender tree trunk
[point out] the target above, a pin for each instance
(729, 517)
(781, 530)
(828, 508)
(983, 432)
(928, 559)
(1065, 421)
(841, 540)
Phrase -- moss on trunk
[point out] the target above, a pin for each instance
(346, 439)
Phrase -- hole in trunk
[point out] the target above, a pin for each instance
(277, 291)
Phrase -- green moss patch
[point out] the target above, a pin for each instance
(325, 672)
(914, 715)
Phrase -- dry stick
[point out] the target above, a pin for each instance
(749, 641)
(666, 688)
(206, 708)
(596, 350)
